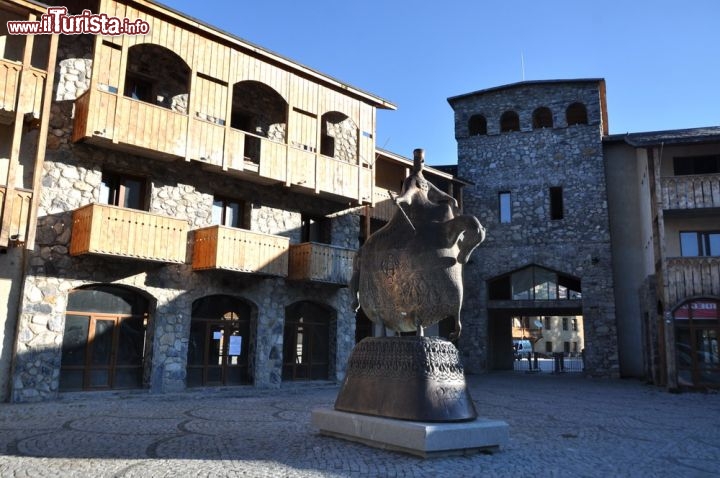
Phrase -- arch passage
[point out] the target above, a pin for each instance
(220, 342)
(104, 342)
(306, 341)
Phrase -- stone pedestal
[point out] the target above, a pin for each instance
(425, 440)
(409, 394)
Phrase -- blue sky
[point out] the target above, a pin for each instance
(660, 59)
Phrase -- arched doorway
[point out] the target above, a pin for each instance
(306, 341)
(220, 342)
(104, 342)
(697, 331)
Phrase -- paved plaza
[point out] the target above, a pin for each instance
(560, 425)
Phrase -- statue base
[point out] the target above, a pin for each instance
(426, 440)
(406, 378)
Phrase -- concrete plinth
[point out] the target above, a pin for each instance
(416, 438)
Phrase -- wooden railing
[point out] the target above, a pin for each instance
(692, 276)
(228, 248)
(15, 224)
(691, 192)
(30, 93)
(159, 131)
(314, 262)
(9, 84)
(115, 231)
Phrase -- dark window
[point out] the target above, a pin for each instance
(565, 323)
(477, 125)
(228, 212)
(574, 325)
(566, 347)
(509, 121)
(123, 191)
(504, 202)
(315, 229)
(548, 346)
(548, 324)
(696, 165)
(139, 88)
(556, 203)
(576, 114)
(542, 118)
(699, 243)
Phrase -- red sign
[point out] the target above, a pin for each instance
(698, 309)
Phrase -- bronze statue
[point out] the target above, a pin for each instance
(408, 275)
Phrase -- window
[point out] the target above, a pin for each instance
(509, 121)
(556, 203)
(548, 346)
(228, 212)
(574, 325)
(565, 323)
(505, 210)
(123, 191)
(548, 324)
(315, 229)
(477, 125)
(139, 88)
(542, 118)
(699, 243)
(696, 165)
(576, 114)
(566, 347)
(534, 283)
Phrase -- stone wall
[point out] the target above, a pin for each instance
(527, 163)
(72, 178)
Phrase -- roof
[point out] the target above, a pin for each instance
(269, 55)
(439, 171)
(519, 84)
(708, 134)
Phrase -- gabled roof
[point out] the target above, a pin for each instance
(709, 134)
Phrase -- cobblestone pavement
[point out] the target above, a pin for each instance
(559, 426)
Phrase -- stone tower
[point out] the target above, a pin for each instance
(534, 153)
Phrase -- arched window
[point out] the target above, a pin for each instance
(261, 111)
(509, 121)
(307, 349)
(534, 283)
(104, 339)
(157, 75)
(477, 125)
(339, 137)
(576, 114)
(542, 118)
(697, 336)
(221, 339)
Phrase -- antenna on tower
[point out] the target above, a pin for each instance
(522, 65)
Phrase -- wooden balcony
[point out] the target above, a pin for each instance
(385, 207)
(692, 276)
(115, 231)
(15, 224)
(314, 262)
(115, 121)
(232, 249)
(691, 192)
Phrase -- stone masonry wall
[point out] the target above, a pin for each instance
(527, 163)
(72, 178)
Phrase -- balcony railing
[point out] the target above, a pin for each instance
(30, 93)
(228, 248)
(691, 192)
(692, 276)
(115, 231)
(321, 263)
(154, 131)
(15, 224)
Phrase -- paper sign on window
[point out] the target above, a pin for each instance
(235, 345)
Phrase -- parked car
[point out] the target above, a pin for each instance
(523, 348)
